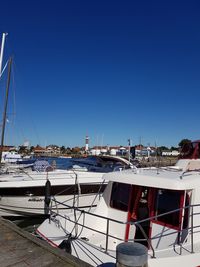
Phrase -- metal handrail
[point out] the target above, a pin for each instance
(192, 228)
(137, 223)
(113, 220)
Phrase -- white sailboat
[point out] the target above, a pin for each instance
(9, 63)
(26, 192)
(6, 156)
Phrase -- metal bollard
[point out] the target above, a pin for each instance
(131, 254)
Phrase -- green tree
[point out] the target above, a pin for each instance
(22, 150)
(163, 148)
(62, 150)
(173, 148)
(31, 148)
(76, 150)
(184, 141)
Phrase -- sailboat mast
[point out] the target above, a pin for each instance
(2, 50)
(5, 108)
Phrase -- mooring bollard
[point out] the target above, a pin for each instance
(131, 254)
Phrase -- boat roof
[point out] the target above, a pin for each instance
(103, 159)
(115, 158)
(166, 178)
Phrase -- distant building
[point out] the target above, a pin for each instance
(112, 150)
(39, 150)
(53, 149)
(8, 148)
(173, 153)
(143, 151)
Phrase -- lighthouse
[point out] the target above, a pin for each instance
(86, 143)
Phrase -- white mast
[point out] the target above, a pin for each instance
(6, 95)
(5, 108)
(2, 50)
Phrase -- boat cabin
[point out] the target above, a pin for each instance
(153, 204)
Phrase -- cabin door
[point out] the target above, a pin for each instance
(163, 231)
(139, 209)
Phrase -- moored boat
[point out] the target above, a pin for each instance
(158, 207)
(23, 191)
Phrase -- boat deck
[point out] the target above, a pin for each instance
(177, 257)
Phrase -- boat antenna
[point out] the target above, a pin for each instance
(129, 150)
(5, 107)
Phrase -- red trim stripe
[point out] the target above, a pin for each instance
(45, 238)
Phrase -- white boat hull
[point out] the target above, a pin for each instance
(35, 205)
(23, 194)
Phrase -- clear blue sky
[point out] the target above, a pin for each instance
(110, 69)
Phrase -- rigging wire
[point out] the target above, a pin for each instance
(1, 74)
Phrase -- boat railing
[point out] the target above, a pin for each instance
(107, 233)
(75, 196)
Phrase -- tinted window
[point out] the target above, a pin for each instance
(168, 200)
(120, 196)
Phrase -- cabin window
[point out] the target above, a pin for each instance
(120, 196)
(166, 201)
